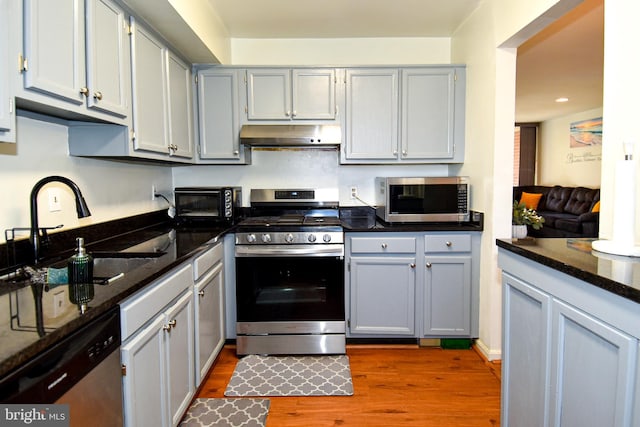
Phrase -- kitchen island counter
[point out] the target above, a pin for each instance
(616, 274)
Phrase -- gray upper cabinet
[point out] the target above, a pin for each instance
(77, 63)
(7, 108)
(107, 48)
(285, 94)
(161, 97)
(180, 106)
(54, 50)
(372, 115)
(219, 116)
(428, 128)
(149, 71)
(408, 115)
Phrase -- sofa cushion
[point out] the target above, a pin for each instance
(581, 200)
(572, 225)
(550, 218)
(530, 200)
(557, 198)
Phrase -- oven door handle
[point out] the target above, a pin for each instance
(284, 250)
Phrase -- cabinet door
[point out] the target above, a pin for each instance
(269, 94)
(428, 110)
(54, 48)
(180, 385)
(107, 58)
(372, 114)
(144, 383)
(592, 367)
(314, 94)
(209, 321)
(382, 295)
(149, 62)
(447, 296)
(6, 97)
(635, 419)
(526, 349)
(218, 114)
(180, 107)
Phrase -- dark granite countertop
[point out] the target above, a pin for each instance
(19, 336)
(574, 256)
(360, 219)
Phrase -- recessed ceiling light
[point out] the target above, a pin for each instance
(563, 99)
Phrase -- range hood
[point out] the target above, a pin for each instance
(291, 135)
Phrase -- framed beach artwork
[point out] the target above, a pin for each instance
(585, 133)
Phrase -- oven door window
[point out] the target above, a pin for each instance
(272, 289)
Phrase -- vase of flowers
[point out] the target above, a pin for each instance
(523, 216)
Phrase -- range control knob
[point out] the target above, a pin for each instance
(312, 238)
(288, 238)
(326, 238)
(251, 238)
(266, 238)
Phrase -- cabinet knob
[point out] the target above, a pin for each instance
(236, 152)
(171, 324)
(448, 244)
(412, 265)
(98, 95)
(428, 265)
(288, 113)
(384, 246)
(395, 152)
(201, 293)
(295, 113)
(84, 91)
(404, 152)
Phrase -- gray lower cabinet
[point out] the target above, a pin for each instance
(412, 284)
(208, 271)
(570, 350)
(158, 351)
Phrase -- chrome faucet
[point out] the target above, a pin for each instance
(81, 208)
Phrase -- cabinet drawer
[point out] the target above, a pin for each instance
(448, 243)
(141, 307)
(381, 245)
(207, 260)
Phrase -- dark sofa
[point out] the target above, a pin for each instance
(567, 211)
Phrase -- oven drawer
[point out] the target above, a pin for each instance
(382, 245)
(447, 243)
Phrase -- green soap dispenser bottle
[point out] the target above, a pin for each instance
(80, 270)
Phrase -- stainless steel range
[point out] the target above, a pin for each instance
(290, 274)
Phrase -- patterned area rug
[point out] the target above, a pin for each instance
(291, 376)
(226, 413)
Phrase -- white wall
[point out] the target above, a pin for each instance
(558, 163)
(112, 190)
(356, 51)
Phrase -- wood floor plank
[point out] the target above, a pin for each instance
(393, 386)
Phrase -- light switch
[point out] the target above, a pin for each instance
(54, 200)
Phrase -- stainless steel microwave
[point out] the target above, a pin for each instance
(207, 204)
(423, 199)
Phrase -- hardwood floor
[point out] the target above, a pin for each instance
(393, 386)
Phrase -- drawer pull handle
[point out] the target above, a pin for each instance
(384, 246)
(412, 265)
(428, 265)
(448, 244)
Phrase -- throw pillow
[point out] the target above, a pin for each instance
(596, 207)
(531, 200)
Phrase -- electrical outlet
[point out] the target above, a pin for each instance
(153, 192)
(54, 200)
(354, 192)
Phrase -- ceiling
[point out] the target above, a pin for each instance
(565, 59)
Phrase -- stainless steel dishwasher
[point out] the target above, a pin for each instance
(83, 370)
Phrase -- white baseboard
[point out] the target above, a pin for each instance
(490, 354)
